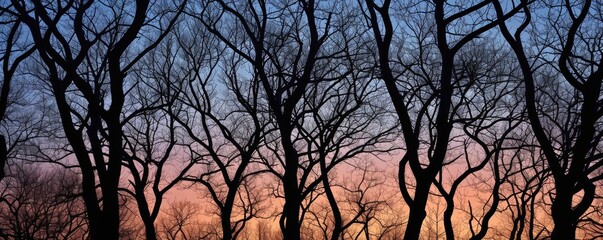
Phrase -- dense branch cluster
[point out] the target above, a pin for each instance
(301, 119)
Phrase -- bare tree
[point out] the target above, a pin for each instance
(151, 135)
(568, 131)
(178, 221)
(281, 112)
(82, 46)
(425, 104)
(222, 114)
(521, 196)
(298, 55)
(14, 51)
(488, 117)
(253, 18)
(265, 232)
(369, 202)
(39, 204)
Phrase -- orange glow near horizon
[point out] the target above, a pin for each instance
(388, 215)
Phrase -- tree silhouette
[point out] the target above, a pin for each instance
(567, 128)
(85, 66)
(426, 106)
(301, 119)
(41, 204)
(14, 52)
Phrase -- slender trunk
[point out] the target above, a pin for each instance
(94, 213)
(519, 223)
(337, 228)
(103, 221)
(145, 214)
(3, 156)
(490, 213)
(565, 214)
(532, 211)
(448, 217)
(517, 228)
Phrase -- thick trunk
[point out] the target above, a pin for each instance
(225, 222)
(149, 226)
(561, 210)
(110, 224)
(417, 211)
(292, 206)
(560, 233)
(564, 229)
(111, 184)
(291, 188)
(226, 212)
(415, 221)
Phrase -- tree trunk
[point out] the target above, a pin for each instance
(292, 198)
(337, 228)
(225, 222)
(145, 215)
(292, 205)
(417, 210)
(149, 226)
(448, 218)
(561, 210)
(226, 212)
(3, 156)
